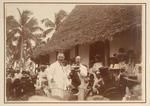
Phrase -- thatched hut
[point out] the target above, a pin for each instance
(96, 29)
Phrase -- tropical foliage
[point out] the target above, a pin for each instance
(20, 37)
(25, 34)
(52, 26)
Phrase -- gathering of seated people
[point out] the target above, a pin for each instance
(19, 85)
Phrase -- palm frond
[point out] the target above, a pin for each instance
(17, 50)
(47, 31)
(32, 22)
(60, 16)
(47, 22)
(36, 39)
(27, 33)
(11, 23)
(10, 34)
(30, 27)
(25, 16)
(19, 12)
(33, 29)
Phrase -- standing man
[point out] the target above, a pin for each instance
(82, 74)
(57, 77)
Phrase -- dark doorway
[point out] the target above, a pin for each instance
(97, 48)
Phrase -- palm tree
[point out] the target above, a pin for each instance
(20, 33)
(52, 26)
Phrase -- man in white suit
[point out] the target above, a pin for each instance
(57, 77)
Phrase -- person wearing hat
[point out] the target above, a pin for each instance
(116, 71)
(57, 77)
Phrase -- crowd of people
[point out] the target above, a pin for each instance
(19, 85)
(72, 80)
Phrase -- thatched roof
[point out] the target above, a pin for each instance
(90, 23)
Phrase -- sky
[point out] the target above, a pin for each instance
(40, 10)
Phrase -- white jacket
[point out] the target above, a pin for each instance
(57, 76)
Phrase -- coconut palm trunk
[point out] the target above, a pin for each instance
(21, 53)
(22, 42)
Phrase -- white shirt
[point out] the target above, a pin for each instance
(82, 75)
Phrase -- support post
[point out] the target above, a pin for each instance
(76, 50)
(107, 52)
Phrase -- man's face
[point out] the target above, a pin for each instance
(77, 60)
(61, 58)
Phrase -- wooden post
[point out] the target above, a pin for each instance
(76, 50)
(106, 52)
(56, 54)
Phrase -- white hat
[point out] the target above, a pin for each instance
(115, 67)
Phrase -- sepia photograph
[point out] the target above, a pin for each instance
(74, 52)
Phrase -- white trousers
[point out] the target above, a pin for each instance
(57, 92)
(81, 95)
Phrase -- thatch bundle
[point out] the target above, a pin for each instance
(90, 23)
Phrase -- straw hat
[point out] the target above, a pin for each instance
(115, 67)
